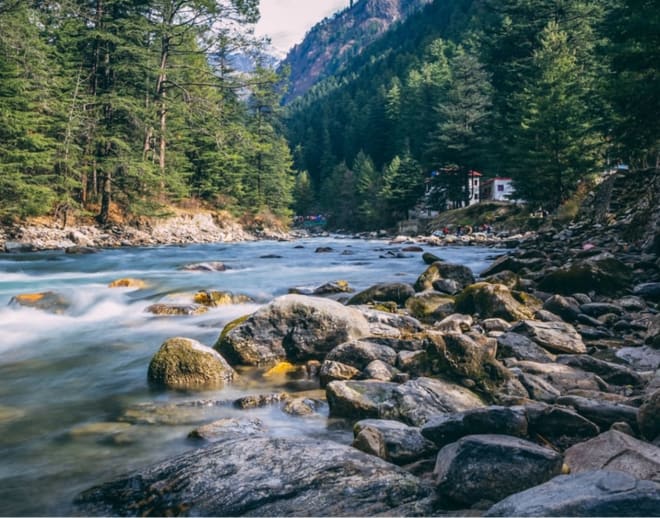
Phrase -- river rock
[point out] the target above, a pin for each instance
(556, 337)
(492, 467)
(392, 441)
(358, 399)
(228, 427)
(455, 323)
(48, 301)
(603, 274)
(594, 493)
(448, 286)
(163, 309)
(610, 372)
(603, 413)
(616, 451)
(293, 327)
(491, 301)
(359, 353)
(648, 291)
(302, 406)
(260, 400)
(598, 309)
(648, 416)
(212, 266)
(447, 428)
(565, 307)
(381, 371)
(396, 292)
(418, 400)
(261, 476)
(441, 270)
(213, 298)
(514, 345)
(333, 371)
(559, 425)
(182, 363)
(128, 282)
(430, 258)
(562, 377)
(331, 288)
(430, 304)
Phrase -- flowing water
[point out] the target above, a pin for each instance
(75, 406)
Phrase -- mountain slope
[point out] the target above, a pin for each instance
(335, 41)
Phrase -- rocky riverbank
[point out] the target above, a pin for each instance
(185, 228)
(533, 390)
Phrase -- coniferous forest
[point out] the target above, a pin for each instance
(547, 92)
(131, 105)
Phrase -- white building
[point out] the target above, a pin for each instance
(498, 189)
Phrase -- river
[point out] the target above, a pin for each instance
(73, 390)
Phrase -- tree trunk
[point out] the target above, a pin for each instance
(106, 196)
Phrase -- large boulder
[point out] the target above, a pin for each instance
(293, 327)
(560, 377)
(260, 476)
(441, 270)
(616, 451)
(594, 493)
(603, 274)
(418, 400)
(491, 301)
(447, 428)
(556, 337)
(182, 363)
(492, 467)
(561, 426)
(393, 441)
(396, 292)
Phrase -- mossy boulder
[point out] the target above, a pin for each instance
(294, 328)
(441, 270)
(396, 292)
(603, 274)
(183, 363)
(213, 298)
(430, 304)
(492, 301)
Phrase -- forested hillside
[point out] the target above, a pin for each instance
(122, 106)
(547, 92)
(334, 42)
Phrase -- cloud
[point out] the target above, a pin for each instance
(287, 21)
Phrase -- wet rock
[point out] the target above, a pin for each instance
(259, 476)
(163, 309)
(80, 250)
(603, 413)
(358, 399)
(386, 292)
(392, 441)
(182, 363)
(128, 283)
(99, 430)
(48, 301)
(359, 353)
(260, 400)
(514, 264)
(514, 345)
(380, 371)
(648, 416)
(323, 250)
(594, 493)
(430, 304)
(561, 426)
(189, 413)
(227, 428)
(213, 266)
(441, 270)
(416, 401)
(270, 256)
(412, 249)
(616, 451)
(447, 428)
(430, 258)
(492, 467)
(603, 274)
(507, 278)
(213, 298)
(333, 371)
(556, 337)
(302, 406)
(9, 414)
(293, 327)
(609, 372)
(597, 309)
(330, 288)
(562, 377)
(448, 286)
(491, 301)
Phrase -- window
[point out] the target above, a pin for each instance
(500, 188)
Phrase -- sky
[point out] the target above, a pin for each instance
(287, 21)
